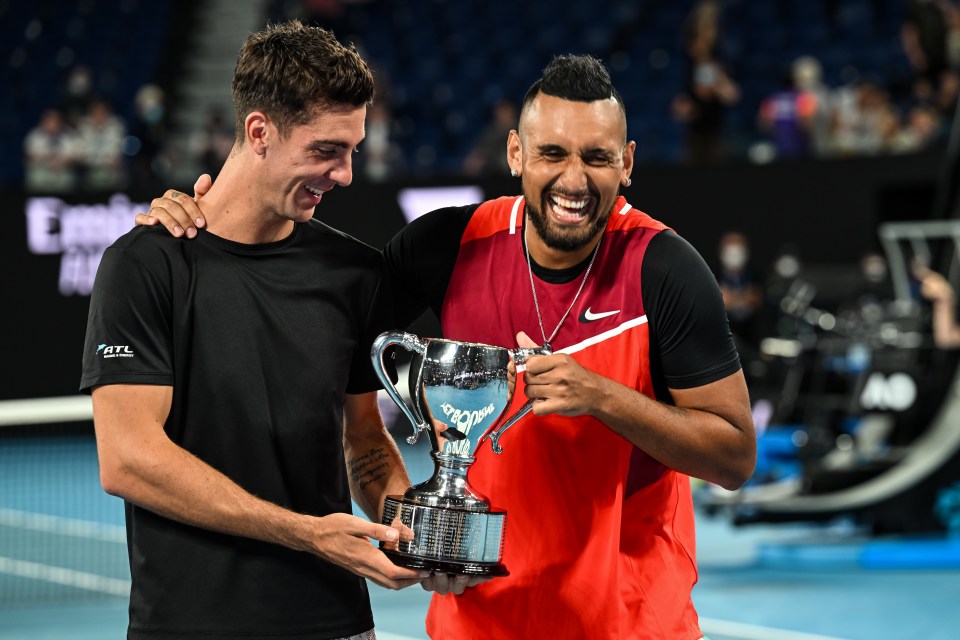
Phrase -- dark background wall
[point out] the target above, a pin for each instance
(828, 210)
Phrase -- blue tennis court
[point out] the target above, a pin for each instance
(63, 565)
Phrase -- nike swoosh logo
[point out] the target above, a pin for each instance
(590, 316)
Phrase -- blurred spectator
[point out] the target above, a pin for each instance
(797, 117)
(876, 286)
(709, 90)
(77, 95)
(808, 79)
(951, 14)
(923, 126)
(929, 36)
(935, 288)
(866, 121)
(50, 151)
(216, 142)
(741, 294)
(785, 272)
(100, 152)
(380, 157)
(149, 133)
(489, 153)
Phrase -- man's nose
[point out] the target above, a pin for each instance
(342, 174)
(574, 176)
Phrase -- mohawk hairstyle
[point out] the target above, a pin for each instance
(578, 78)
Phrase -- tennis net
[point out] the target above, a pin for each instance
(62, 539)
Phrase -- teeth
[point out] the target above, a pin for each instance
(314, 191)
(569, 204)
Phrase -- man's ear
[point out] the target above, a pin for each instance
(259, 131)
(514, 153)
(628, 151)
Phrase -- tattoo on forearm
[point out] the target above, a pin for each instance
(369, 468)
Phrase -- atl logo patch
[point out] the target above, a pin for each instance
(114, 351)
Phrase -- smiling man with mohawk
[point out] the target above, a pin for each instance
(644, 389)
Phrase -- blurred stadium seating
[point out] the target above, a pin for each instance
(444, 63)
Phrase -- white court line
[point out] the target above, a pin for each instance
(63, 526)
(46, 410)
(743, 631)
(68, 577)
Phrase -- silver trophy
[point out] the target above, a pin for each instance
(464, 386)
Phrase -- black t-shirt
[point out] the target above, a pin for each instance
(691, 344)
(260, 344)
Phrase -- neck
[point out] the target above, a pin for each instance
(547, 339)
(551, 258)
(235, 209)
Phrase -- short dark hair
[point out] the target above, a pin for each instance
(290, 71)
(579, 78)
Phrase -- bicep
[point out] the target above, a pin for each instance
(129, 423)
(126, 416)
(726, 398)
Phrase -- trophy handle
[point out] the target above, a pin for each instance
(519, 356)
(409, 342)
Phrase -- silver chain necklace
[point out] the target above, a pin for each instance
(533, 288)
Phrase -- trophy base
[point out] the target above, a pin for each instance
(446, 566)
(447, 539)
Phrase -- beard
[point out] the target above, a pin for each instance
(562, 239)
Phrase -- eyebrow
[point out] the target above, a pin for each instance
(551, 147)
(316, 144)
(544, 148)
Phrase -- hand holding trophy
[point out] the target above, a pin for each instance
(463, 385)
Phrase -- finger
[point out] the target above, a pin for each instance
(438, 583)
(403, 584)
(145, 220)
(185, 209)
(523, 340)
(541, 406)
(536, 365)
(161, 214)
(427, 583)
(399, 577)
(202, 186)
(171, 213)
(200, 189)
(380, 532)
(406, 533)
(394, 576)
(447, 432)
(458, 584)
